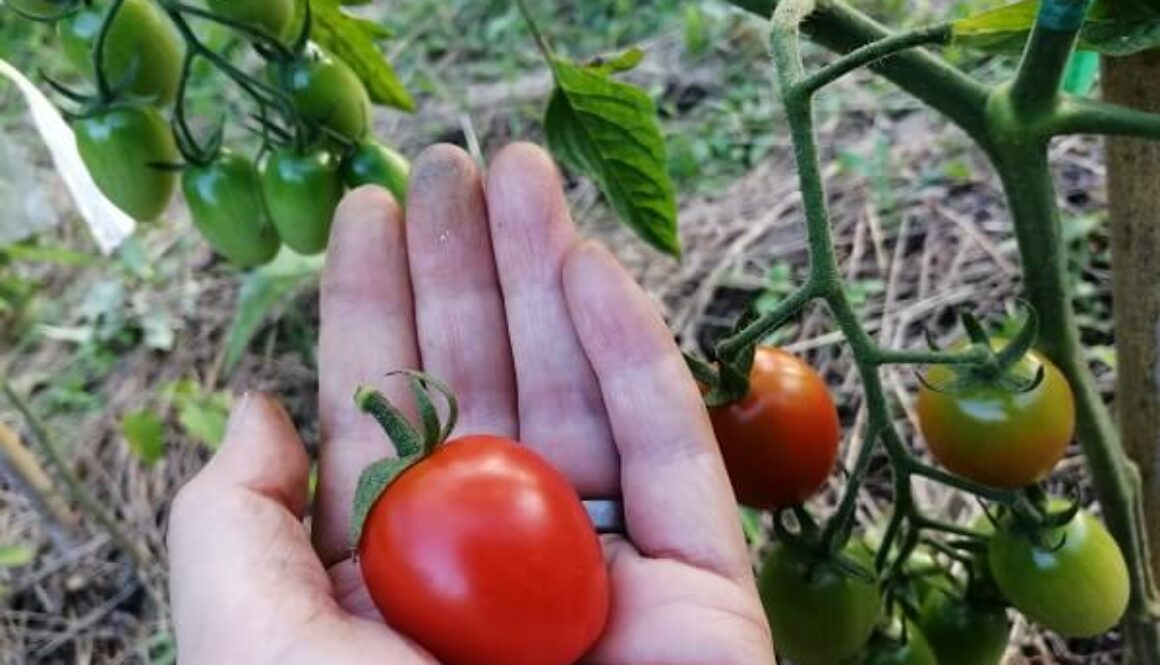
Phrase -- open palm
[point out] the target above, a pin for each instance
(545, 339)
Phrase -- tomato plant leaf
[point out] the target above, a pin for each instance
(1108, 30)
(263, 293)
(203, 415)
(353, 40)
(608, 130)
(145, 433)
(371, 483)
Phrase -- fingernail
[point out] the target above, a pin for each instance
(238, 415)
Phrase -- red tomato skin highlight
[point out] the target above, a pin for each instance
(780, 442)
(483, 554)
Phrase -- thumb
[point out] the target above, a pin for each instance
(238, 550)
(261, 453)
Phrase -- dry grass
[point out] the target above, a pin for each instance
(939, 243)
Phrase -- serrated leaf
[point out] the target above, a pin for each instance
(263, 293)
(12, 556)
(203, 415)
(608, 130)
(353, 40)
(145, 433)
(371, 484)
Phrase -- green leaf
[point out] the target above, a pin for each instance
(145, 433)
(57, 255)
(12, 556)
(608, 130)
(353, 40)
(371, 484)
(1005, 30)
(264, 292)
(203, 415)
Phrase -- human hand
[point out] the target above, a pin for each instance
(545, 339)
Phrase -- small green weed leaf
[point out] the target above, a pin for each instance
(144, 431)
(353, 39)
(371, 485)
(608, 130)
(12, 556)
(264, 292)
(203, 415)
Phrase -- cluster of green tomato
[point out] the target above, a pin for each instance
(245, 210)
(780, 444)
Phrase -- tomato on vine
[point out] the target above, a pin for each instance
(143, 49)
(780, 442)
(274, 17)
(325, 90)
(125, 150)
(818, 612)
(373, 163)
(1071, 579)
(302, 188)
(963, 631)
(994, 435)
(480, 550)
(225, 201)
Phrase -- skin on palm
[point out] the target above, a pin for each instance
(544, 338)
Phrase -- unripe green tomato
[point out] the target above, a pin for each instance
(274, 17)
(302, 190)
(225, 201)
(1074, 583)
(963, 631)
(38, 9)
(375, 164)
(818, 613)
(142, 46)
(121, 148)
(325, 90)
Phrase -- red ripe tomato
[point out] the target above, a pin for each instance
(484, 555)
(780, 442)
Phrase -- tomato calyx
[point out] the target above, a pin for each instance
(413, 444)
(1002, 363)
(1038, 518)
(725, 379)
(808, 543)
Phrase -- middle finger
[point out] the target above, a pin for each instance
(459, 313)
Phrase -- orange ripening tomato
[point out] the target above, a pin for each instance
(484, 555)
(996, 437)
(779, 442)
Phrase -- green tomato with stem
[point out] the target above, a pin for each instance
(326, 91)
(302, 188)
(143, 49)
(819, 613)
(373, 163)
(225, 201)
(273, 17)
(964, 631)
(125, 150)
(1072, 579)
